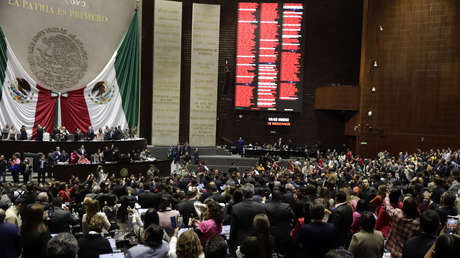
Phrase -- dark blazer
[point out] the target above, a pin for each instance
(342, 218)
(417, 246)
(23, 135)
(60, 221)
(243, 214)
(90, 134)
(9, 240)
(186, 209)
(92, 245)
(315, 239)
(39, 134)
(108, 155)
(149, 200)
(82, 152)
(35, 248)
(281, 220)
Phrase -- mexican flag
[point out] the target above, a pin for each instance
(18, 93)
(111, 99)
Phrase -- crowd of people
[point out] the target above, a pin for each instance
(42, 164)
(61, 133)
(332, 205)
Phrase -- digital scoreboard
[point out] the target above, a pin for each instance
(269, 68)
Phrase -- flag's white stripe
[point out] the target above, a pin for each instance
(111, 113)
(11, 111)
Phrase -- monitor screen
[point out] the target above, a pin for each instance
(269, 72)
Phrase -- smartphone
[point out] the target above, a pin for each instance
(180, 221)
(173, 222)
(451, 226)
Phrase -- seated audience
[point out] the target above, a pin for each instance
(92, 244)
(153, 244)
(187, 246)
(92, 208)
(63, 245)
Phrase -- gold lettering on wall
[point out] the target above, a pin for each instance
(203, 77)
(58, 11)
(166, 72)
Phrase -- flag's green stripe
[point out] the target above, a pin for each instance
(127, 70)
(3, 60)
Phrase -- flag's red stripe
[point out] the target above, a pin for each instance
(74, 112)
(44, 113)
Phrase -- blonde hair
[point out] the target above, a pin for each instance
(188, 245)
(96, 223)
(91, 207)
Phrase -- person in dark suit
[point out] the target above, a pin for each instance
(196, 156)
(316, 238)
(213, 193)
(108, 134)
(108, 154)
(243, 214)
(82, 150)
(78, 136)
(9, 238)
(60, 219)
(90, 133)
(93, 243)
(281, 219)
(342, 218)
(3, 166)
(42, 169)
(147, 199)
(23, 133)
(40, 131)
(64, 157)
(186, 208)
(418, 245)
(56, 134)
(118, 133)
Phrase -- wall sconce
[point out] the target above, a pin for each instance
(375, 64)
(373, 89)
(369, 113)
(380, 28)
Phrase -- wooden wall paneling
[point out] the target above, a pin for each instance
(417, 80)
(337, 98)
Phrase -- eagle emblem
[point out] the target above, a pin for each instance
(20, 90)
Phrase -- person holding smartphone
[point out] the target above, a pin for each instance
(212, 225)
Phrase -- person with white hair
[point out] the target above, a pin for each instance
(63, 245)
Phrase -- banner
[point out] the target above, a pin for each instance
(64, 44)
(204, 74)
(166, 72)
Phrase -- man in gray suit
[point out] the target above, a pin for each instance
(243, 214)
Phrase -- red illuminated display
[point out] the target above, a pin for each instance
(269, 56)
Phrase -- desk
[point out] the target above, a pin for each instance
(8, 148)
(64, 172)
